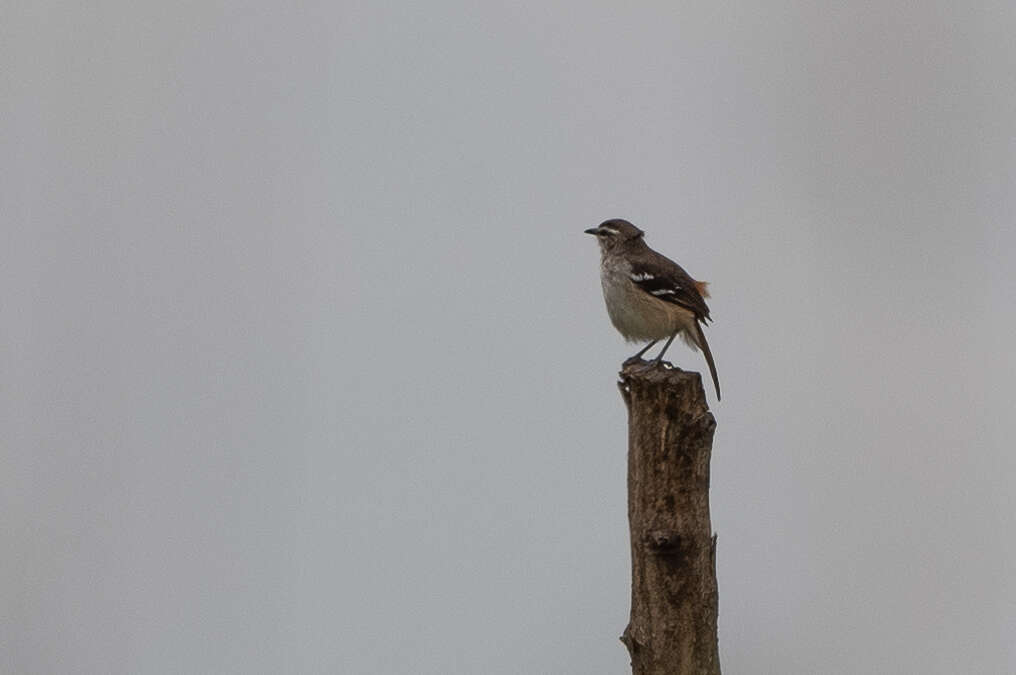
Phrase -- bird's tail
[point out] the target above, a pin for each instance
(709, 357)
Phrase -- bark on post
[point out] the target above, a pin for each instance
(674, 601)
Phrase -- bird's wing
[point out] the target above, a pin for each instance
(666, 280)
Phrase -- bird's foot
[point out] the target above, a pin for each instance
(638, 363)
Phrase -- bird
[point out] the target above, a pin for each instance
(649, 296)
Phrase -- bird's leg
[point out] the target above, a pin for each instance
(639, 355)
(659, 357)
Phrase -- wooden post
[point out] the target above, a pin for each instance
(674, 601)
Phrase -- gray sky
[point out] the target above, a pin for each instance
(305, 366)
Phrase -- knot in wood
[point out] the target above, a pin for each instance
(663, 541)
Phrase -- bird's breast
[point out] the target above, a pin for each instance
(636, 314)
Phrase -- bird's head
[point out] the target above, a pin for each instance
(614, 233)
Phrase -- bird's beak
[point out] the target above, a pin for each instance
(593, 231)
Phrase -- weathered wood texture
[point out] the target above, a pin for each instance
(674, 600)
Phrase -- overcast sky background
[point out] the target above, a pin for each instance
(305, 366)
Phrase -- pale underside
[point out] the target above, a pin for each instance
(639, 316)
